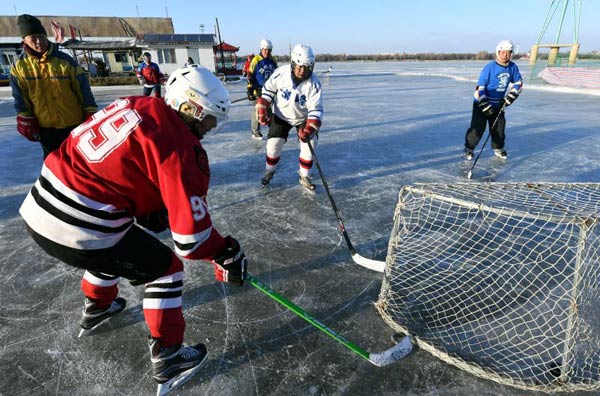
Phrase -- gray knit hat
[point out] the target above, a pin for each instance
(30, 25)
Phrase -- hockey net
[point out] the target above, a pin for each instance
(500, 279)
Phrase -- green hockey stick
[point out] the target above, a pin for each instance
(391, 355)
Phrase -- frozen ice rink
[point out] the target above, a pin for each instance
(385, 125)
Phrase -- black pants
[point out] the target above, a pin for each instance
(139, 256)
(52, 138)
(477, 128)
(279, 128)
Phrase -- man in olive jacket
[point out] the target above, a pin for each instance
(51, 91)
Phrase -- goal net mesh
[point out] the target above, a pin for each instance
(500, 279)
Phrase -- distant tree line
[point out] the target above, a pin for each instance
(481, 55)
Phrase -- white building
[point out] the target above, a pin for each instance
(118, 42)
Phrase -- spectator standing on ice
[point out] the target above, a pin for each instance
(496, 78)
(139, 163)
(51, 92)
(292, 98)
(247, 65)
(149, 75)
(260, 69)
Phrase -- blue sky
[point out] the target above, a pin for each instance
(356, 27)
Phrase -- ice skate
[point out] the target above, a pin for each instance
(173, 366)
(468, 153)
(257, 135)
(501, 153)
(307, 183)
(93, 316)
(267, 177)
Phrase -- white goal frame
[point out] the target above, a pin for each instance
(500, 279)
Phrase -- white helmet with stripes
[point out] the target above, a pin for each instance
(196, 92)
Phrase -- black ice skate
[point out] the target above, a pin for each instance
(173, 366)
(307, 183)
(267, 177)
(93, 316)
(257, 135)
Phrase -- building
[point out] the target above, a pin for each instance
(116, 42)
(171, 51)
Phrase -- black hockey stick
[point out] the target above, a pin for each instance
(238, 100)
(470, 172)
(374, 265)
(389, 356)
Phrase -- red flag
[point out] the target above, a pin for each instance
(73, 33)
(59, 32)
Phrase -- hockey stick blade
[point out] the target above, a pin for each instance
(374, 265)
(389, 356)
(395, 353)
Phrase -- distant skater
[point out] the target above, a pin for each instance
(149, 75)
(292, 98)
(490, 100)
(260, 69)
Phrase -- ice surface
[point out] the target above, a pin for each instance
(386, 124)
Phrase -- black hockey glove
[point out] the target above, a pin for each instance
(486, 108)
(155, 222)
(250, 93)
(510, 98)
(231, 264)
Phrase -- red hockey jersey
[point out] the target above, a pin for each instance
(132, 158)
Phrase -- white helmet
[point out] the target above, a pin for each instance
(197, 87)
(266, 43)
(302, 55)
(505, 45)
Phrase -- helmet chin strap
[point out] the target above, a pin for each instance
(192, 123)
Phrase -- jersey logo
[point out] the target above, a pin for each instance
(263, 73)
(503, 79)
(301, 100)
(286, 94)
(202, 160)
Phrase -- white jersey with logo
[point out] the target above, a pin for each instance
(294, 103)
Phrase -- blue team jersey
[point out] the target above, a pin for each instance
(261, 69)
(496, 79)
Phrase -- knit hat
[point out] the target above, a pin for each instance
(29, 25)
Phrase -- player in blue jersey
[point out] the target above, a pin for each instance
(491, 98)
(260, 69)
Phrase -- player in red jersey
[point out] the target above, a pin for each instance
(127, 167)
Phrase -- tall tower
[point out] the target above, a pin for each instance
(555, 5)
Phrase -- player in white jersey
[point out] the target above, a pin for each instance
(291, 97)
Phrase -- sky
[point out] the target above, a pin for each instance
(351, 26)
